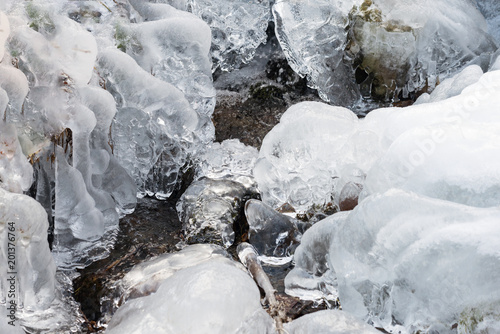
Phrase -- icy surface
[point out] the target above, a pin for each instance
(416, 261)
(215, 296)
(312, 278)
(146, 277)
(316, 150)
(208, 209)
(303, 156)
(375, 49)
(329, 321)
(491, 11)
(229, 159)
(16, 173)
(275, 236)
(238, 28)
(164, 124)
(173, 46)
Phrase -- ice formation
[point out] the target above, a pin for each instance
(275, 236)
(491, 11)
(223, 181)
(145, 278)
(30, 291)
(375, 49)
(209, 208)
(238, 28)
(302, 158)
(329, 321)
(173, 46)
(402, 258)
(215, 296)
(315, 150)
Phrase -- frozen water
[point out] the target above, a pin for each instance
(28, 272)
(329, 321)
(313, 278)
(402, 258)
(312, 35)
(375, 49)
(32, 261)
(145, 278)
(208, 209)
(455, 163)
(164, 124)
(316, 150)
(173, 46)
(274, 235)
(453, 86)
(238, 28)
(491, 11)
(16, 173)
(229, 159)
(312, 153)
(215, 296)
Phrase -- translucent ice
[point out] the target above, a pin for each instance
(238, 28)
(453, 86)
(329, 321)
(162, 121)
(450, 162)
(212, 297)
(208, 209)
(274, 235)
(491, 11)
(313, 278)
(28, 272)
(374, 48)
(302, 158)
(16, 173)
(401, 258)
(229, 159)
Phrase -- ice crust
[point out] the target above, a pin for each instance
(416, 260)
(215, 296)
(329, 321)
(374, 49)
(238, 28)
(316, 149)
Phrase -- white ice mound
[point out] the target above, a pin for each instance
(455, 163)
(146, 277)
(316, 151)
(238, 28)
(375, 49)
(30, 293)
(303, 156)
(401, 258)
(329, 321)
(216, 296)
